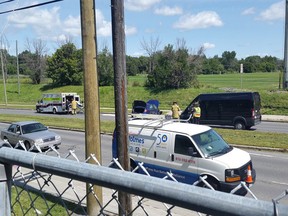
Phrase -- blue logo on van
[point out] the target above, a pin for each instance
(136, 140)
(164, 138)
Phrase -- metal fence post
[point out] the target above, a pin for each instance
(5, 189)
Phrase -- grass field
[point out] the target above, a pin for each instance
(274, 101)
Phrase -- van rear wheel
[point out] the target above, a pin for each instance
(239, 125)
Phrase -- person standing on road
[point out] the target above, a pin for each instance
(74, 106)
(196, 113)
(175, 110)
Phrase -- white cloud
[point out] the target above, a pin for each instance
(274, 12)
(203, 19)
(39, 20)
(71, 26)
(168, 11)
(140, 5)
(103, 26)
(130, 30)
(248, 11)
(208, 45)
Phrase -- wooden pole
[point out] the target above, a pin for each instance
(91, 95)
(120, 91)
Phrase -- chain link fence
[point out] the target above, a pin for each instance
(40, 185)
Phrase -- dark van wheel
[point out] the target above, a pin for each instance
(239, 125)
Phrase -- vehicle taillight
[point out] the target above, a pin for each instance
(253, 113)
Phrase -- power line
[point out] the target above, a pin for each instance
(6, 1)
(27, 7)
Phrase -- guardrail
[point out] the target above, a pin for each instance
(174, 193)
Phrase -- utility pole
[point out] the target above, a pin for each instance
(91, 95)
(285, 74)
(4, 82)
(17, 65)
(120, 92)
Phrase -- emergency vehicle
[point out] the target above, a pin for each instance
(187, 151)
(57, 102)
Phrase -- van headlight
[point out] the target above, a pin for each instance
(232, 175)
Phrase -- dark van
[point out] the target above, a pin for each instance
(241, 109)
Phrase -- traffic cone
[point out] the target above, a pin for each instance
(249, 178)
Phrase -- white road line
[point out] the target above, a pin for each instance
(108, 114)
(263, 155)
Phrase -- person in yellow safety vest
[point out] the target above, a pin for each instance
(175, 110)
(74, 106)
(196, 113)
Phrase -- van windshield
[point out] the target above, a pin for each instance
(211, 143)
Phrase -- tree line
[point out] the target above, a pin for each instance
(171, 68)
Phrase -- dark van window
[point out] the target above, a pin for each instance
(182, 143)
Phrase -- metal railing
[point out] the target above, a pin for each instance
(176, 194)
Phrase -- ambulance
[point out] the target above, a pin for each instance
(188, 151)
(57, 102)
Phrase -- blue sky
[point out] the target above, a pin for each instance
(248, 27)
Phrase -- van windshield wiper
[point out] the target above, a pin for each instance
(221, 151)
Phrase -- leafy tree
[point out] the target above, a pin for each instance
(229, 61)
(269, 64)
(252, 64)
(35, 60)
(143, 64)
(132, 65)
(23, 68)
(174, 69)
(65, 66)
(212, 66)
(9, 63)
(105, 68)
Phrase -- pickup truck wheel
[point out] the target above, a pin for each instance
(27, 145)
(38, 110)
(239, 125)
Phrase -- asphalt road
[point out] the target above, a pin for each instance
(265, 126)
(271, 167)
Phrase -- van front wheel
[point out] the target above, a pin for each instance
(212, 182)
(239, 125)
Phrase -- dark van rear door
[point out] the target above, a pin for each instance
(257, 107)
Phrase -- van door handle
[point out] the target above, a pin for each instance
(172, 157)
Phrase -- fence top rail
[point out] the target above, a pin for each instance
(195, 198)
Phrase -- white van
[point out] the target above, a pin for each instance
(188, 151)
